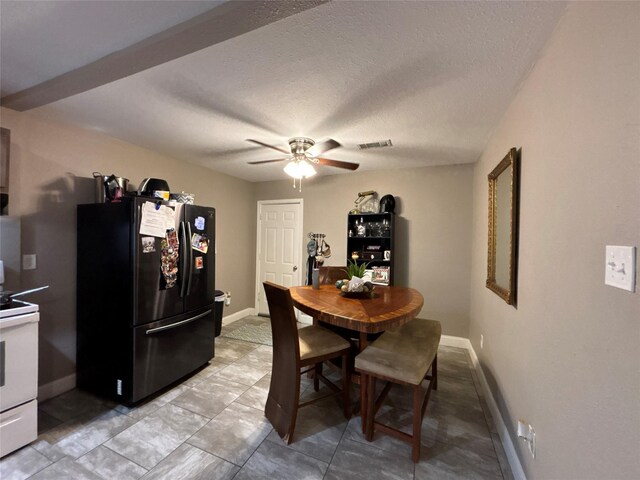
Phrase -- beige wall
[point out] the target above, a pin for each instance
(568, 358)
(51, 167)
(433, 225)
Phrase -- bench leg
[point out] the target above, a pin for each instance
(316, 376)
(364, 395)
(434, 372)
(417, 423)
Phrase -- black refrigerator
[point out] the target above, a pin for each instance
(145, 295)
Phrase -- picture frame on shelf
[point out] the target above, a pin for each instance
(368, 275)
(380, 275)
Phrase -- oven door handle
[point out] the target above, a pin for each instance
(177, 324)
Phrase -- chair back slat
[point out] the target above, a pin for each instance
(330, 275)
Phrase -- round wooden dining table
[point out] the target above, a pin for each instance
(387, 307)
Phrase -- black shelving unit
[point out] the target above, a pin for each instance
(372, 236)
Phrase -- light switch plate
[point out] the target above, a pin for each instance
(620, 267)
(29, 262)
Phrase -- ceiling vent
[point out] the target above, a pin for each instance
(384, 143)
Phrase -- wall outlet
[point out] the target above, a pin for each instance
(481, 341)
(227, 299)
(29, 262)
(528, 434)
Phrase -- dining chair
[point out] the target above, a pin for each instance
(294, 350)
(330, 275)
(404, 356)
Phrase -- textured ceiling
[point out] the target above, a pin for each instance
(434, 77)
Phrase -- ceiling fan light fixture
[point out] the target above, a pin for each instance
(299, 169)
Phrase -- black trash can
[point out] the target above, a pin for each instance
(217, 312)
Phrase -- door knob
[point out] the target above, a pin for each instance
(295, 268)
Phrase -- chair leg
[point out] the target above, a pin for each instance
(417, 423)
(434, 372)
(316, 376)
(371, 395)
(346, 386)
(282, 405)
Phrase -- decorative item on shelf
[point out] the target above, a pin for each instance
(387, 255)
(366, 202)
(361, 229)
(355, 256)
(375, 229)
(381, 275)
(386, 228)
(372, 252)
(387, 204)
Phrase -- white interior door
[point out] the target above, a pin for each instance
(279, 256)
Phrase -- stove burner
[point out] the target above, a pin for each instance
(17, 307)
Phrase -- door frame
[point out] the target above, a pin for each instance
(300, 226)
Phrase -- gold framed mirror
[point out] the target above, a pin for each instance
(504, 189)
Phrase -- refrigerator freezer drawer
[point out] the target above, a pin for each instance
(167, 350)
(18, 426)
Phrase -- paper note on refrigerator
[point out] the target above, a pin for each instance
(156, 219)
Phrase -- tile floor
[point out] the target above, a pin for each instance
(212, 426)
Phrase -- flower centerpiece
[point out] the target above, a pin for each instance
(355, 283)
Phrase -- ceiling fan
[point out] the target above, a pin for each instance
(304, 153)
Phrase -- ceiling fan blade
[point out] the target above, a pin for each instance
(322, 147)
(257, 142)
(338, 163)
(267, 161)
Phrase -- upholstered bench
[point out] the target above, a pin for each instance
(403, 355)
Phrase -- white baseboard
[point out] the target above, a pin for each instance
(507, 443)
(238, 315)
(449, 341)
(55, 388)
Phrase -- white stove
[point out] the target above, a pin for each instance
(18, 375)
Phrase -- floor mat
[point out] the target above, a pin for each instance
(260, 333)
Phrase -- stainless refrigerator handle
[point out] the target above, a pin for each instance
(177, 324)
(183, 261)
(190, 258)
